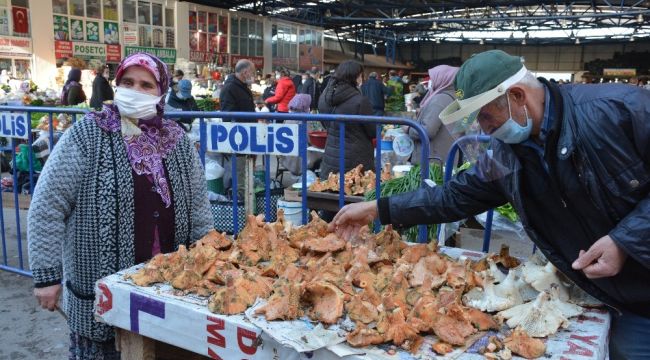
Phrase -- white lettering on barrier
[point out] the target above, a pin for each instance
(14, 125)
(256, 139)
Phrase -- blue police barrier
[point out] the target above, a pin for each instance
(15, 125)
(302, 146)
(234, 138)
(449, 168)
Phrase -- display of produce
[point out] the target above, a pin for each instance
(391, 291)
(356, 181)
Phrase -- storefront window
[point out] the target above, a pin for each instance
(4, 21)
(144, 35)
(60, 6)
(111, 33)
(128, 11)
(23, 69)
(144, 12)
(157, 14)
(76, 30)
(110, 10)
(93, 9)
(77, 7)
(249, 34)
(154, 22)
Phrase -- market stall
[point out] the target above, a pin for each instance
(230, 324)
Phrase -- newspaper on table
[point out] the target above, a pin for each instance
(164, 314)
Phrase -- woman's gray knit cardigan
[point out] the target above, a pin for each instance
(80, 225)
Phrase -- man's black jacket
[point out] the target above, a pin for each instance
(236, 96)
(596, 183)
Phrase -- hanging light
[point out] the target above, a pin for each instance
(434, 26)
(481, 42)
(438, 41)
(328, 13)
(513, 24)
(377, 24)
(577, 41)
(632, 38)
(639, 18)
(523, 42)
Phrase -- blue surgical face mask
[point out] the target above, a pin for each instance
(511, 132)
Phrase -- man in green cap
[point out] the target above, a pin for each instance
(574, 161)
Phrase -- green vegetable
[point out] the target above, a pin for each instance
(508, 211)
(412, 181)
(206, 104)
(409, 182)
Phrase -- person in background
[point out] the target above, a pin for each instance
(102, 90)
(326, 80)
(342, 96)
(178, 76)
(73, 93)
(297, 80)
(441, 93)
(421, 92)
(4, 77)
(376, 92)
(270, 90)
(134, 187)
(236, 94)
(260, 106)
(310, 87)
(395, 100)
(284, 92)
(184, 101)
(237, 97)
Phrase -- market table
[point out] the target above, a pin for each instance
(145, 314)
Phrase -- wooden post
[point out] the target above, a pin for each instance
(134, 346)
(249, 197)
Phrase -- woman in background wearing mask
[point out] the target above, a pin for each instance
(102, 90)
(285, 90)
(441, 93)
(182, 100)
(121, 186)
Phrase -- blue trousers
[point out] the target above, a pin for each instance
(629, 337)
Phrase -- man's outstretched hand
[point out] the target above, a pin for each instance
(352, 217)
(603, 259)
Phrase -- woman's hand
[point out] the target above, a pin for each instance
(352, 217)
(48, 297)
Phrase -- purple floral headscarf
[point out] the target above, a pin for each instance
(158, 136)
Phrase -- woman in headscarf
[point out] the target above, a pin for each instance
(440, 93)
(73, 93)
(121, 186)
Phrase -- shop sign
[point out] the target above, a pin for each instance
(15, 46)
(310, 56)
(619, 72)
(168, 56)
(63, 49)
(201, 56)
(14, 125)
(130, 38)
(113, 53)
(257, 139)
(257, 60)
(86, 50)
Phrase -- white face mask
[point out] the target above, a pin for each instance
(136, 104)
(277, 76)
(304, 81)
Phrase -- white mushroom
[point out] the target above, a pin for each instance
(542, 277)
(541, 317)
(494, 297)
(493, 270)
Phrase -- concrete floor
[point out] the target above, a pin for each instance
(27, 332)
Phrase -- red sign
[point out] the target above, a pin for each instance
(21, 21)
(63, 49)
(257, 60)
(113, 53)
(105, 299)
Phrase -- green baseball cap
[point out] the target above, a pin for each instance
(482, 78)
